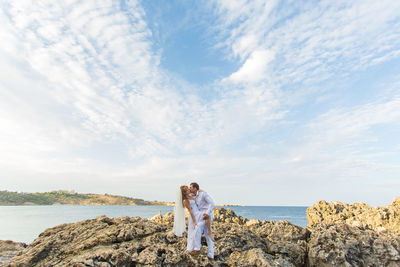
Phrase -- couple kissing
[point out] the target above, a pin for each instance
(200, 207)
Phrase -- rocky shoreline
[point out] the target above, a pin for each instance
(337, 235)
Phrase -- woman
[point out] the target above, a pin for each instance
(196, 223)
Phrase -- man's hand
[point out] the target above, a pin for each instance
(205, 216)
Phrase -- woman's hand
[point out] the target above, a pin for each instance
(194, 225)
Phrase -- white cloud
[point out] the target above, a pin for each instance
(311, 42)
(95, 64)
(83, 97)
(58, 62)
(255, 67)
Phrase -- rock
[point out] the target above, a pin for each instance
(255, 257)
(284, 238)
(101, 241)
(357, 214)
(234, 240)
(353, 235)
(8, 249)
(340, 244)
(167, 219)
(253, 222)
(135, 241)
(228, 216)
(339, 235)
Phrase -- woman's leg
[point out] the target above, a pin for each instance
(208, 224)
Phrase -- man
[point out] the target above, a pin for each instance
(206, 206)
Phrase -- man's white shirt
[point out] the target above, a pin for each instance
(205, 203)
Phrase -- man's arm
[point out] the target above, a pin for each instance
(210, 203)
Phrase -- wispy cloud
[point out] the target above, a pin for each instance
(96, 65)
(73, 59)
(254, 68)
(83, 96)
(311, 41)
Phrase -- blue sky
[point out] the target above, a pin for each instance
(260, 102)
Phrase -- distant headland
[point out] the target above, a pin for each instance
(70, 197)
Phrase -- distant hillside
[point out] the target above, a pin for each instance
(70, 198)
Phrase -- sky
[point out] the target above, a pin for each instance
(260, 102)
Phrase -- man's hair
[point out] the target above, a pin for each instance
(195, 185)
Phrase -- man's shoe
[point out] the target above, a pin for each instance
(210, 259)
(194, 252)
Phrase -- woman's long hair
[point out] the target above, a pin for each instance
(184, 190)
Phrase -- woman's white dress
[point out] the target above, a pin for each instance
(194, 234)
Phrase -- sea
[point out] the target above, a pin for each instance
(25, 223)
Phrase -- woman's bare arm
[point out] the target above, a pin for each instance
(187, 205)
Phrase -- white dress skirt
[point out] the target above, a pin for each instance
(194, 234)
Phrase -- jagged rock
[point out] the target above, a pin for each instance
(241, 240)
(167, 219)
(140, 242)
(228, 216)
(354, 235)
(8, 249)
(284, 238)
(340, 244)
(256, 257)
(357, 236)
(98, 240)
(357, 214)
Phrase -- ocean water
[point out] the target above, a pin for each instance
(25, 223)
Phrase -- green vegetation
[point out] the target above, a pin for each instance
(13, 198)
(69, 198)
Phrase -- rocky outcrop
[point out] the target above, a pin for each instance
(8, 249)
(333, 239)
(353, 235)
(358, 214)
(135, 241)
(167, 219)
(228, 216)
(339, 244)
